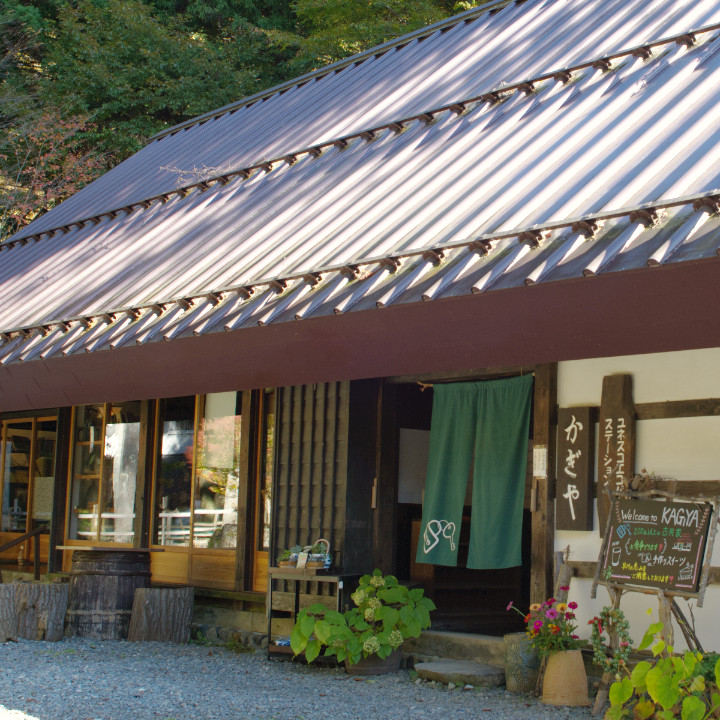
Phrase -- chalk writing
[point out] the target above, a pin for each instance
(656, 543)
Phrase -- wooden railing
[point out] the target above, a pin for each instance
(36, 548)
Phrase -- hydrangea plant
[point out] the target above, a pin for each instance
(385, 614)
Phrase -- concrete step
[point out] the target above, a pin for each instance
(461, 672)
(437, 644)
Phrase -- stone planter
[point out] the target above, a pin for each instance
(565, 680)
(522, 663)
(373, 665)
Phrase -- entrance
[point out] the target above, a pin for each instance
(27, 479)
(467, 600)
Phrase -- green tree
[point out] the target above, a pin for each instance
(135, 73)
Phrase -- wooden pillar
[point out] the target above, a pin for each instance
(143, 486)
(60, 489)
(249, 431)
(386, 485)
(543, 515)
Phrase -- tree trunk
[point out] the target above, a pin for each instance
(161, 614)
(40, 610)
(8, 617)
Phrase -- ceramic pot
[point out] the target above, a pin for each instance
(373, 665)
(522, 663)
(565, 680)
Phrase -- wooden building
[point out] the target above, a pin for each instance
(226, 366)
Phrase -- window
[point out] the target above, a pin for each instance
(104, 472)
(197, 474)
(28, 473)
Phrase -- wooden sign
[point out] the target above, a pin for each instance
(656, 543)
(616, 444)
(576, 462)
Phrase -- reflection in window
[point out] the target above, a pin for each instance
(16, 476)
(105, 463)
(176, 417)
(217, 472)
(265, 456)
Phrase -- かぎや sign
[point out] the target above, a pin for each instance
(575, 459)
(656, 544)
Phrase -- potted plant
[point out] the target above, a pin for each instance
(288, 558)
(552, 631)
(367, 637)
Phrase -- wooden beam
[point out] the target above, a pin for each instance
(706, 407)
(543, 517)
(386, 483)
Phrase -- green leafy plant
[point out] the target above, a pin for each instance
(550, 625)
(670, 686)
(386, 613)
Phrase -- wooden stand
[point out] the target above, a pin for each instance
(33, 611)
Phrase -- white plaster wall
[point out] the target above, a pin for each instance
(684, 448)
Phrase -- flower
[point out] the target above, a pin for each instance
(510, 604)
(550, 627)
(371, 645)
(565, 588)
(377, 581)
(395, 639)
(572, 605)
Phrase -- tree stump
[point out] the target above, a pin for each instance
(8, 617)
(40, 610)
(32, 611)
(161, 614)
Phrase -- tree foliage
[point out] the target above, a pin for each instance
(85, 83)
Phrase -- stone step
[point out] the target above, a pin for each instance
(436, 644)
(461, 672)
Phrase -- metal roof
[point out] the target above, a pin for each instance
(482, 51)
(583, 170)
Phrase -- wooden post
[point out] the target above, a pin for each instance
(543, 515)
(666, 618)
(616, 446)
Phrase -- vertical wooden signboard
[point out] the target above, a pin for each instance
(576, 462)
(616, 444)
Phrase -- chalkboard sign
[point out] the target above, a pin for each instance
(657, 544)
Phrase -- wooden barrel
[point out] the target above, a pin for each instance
(102, 588)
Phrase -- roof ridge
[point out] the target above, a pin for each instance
(687, 38)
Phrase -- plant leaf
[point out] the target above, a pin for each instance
(644, 709)
(662, 688)
(621, 691)
(298, 641)
(307, 625)
(312, 650)
(638, 675)
(693, 708)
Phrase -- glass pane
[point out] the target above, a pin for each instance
(120, 463)
(216, 491)
(267, 449)
(16, 476)
(173, 482)
(87, 465)
(44, 479)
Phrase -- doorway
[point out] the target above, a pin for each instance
(467, 600)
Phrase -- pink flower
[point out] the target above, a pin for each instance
(551, 614)
(510, 604)
(575, 637)
(537, 625)
(572, 605)
(565, 588)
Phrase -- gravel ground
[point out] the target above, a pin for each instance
(78, 679)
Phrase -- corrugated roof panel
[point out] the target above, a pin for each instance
(457, 178)
(469, 59)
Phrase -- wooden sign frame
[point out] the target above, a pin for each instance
(659, 590)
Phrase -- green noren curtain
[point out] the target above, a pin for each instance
(487, 422)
